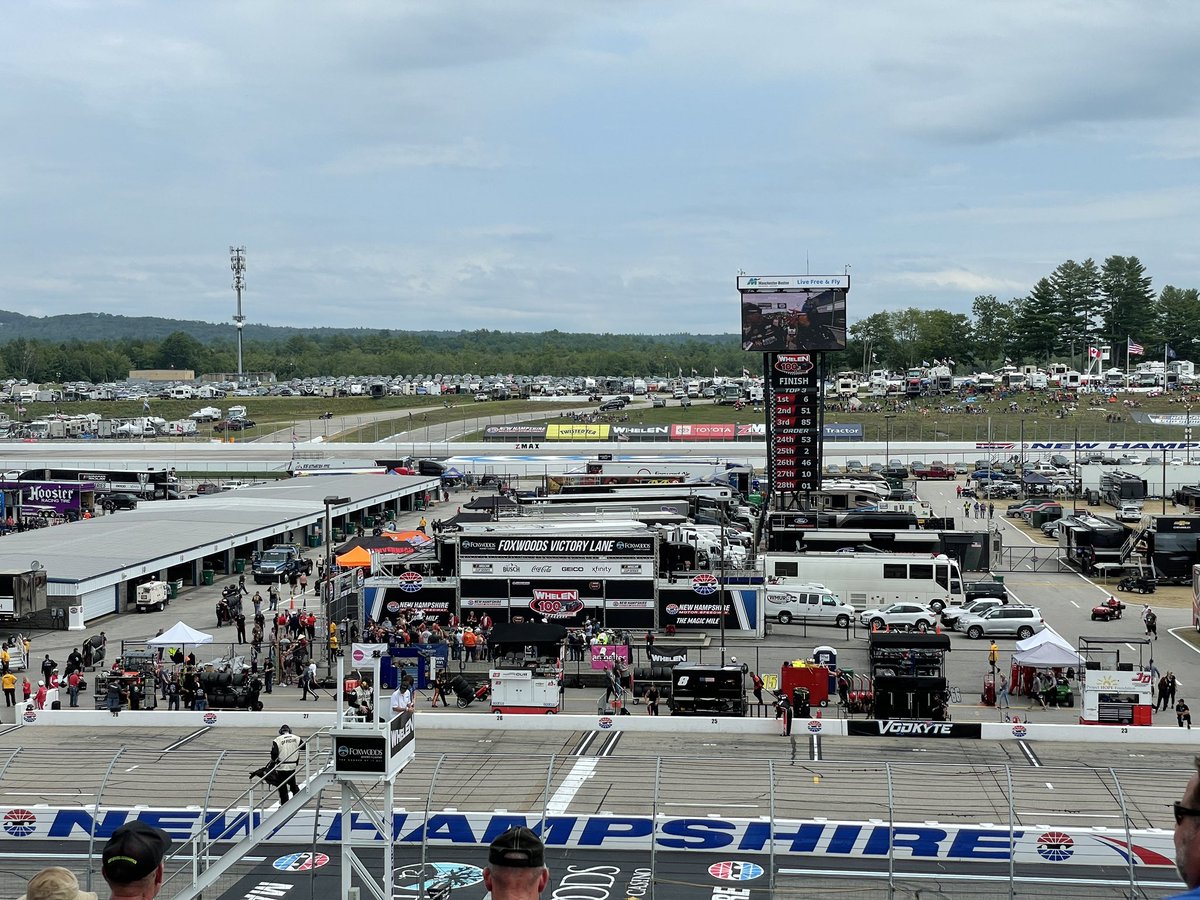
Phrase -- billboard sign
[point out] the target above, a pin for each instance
(53, 496)
(793, 313)
(542, 547)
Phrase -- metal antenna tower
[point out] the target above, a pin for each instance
(237, 262)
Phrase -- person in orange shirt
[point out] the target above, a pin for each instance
(469, 643)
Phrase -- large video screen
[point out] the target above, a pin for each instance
(805, 321)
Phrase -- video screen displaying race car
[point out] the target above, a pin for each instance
(794, 321)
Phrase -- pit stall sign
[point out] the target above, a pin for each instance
(560, 579)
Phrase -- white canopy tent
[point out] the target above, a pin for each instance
(1046, 636)
(1048, 655)
(180, 635)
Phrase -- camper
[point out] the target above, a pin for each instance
(182, 392)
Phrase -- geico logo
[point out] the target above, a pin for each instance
(915, 728)
(586, 883)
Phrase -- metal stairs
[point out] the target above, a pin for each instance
(193, 867)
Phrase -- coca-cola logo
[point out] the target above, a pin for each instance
(794, 363)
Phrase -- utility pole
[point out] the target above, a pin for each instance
(237, 262)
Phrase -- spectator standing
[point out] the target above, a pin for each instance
(516, 867)
(8, 681)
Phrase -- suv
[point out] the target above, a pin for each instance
(610, 405)
(112, 502)
(920, 618)
(277, 564)
(810, 602)
(951, 615)
(976, 589)
(1002, 621)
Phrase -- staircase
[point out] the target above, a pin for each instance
(1136, 536)
(194, 866)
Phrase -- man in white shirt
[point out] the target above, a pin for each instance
(402, 698)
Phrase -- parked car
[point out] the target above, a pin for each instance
(913, 615)
(1002, 621)
(975, 589)
(1130, 512)
(951, 615)
(1000, 489)
(612, 405)
(111, 502)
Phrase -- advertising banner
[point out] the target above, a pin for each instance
(604, 654)
(360, 754)
(666, 656)
(642, 432)
(843, 432)
(752, 430)
(715, 432)
(401, 734)
(508, 432)
(514, 547)
(576, 568)
(53, 496)
(904, 728)
(577, 432)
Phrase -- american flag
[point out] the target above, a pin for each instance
(1134, 349)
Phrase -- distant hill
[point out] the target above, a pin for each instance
(106, 327)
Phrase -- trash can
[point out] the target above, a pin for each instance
(420, 504)
(368, 521)
(172, 590)
(239, 566)
(314, 540)
(338, 535)
(206, 576)
(800, 705)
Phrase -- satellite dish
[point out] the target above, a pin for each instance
(35, 565)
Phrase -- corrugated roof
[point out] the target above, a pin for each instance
(164, 533)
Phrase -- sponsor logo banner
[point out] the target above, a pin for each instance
(791, 282)
(666, 656)
(527, 432)
(603, 655)
(542, 547)
(555, 604)
(52, 496)
(714, 432)
(643, 432)
(839, 839)
(551, 568)
(629, 604)
(360, 754)
(577, 432)
(401, 732)
(843, 431)
(905, 728)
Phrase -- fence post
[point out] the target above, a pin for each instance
(771, 798)
(95, 815)
(654, 825)
(891, 831)
(1012, 836)
(1128, 837)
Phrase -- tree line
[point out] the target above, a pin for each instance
(1076, 306)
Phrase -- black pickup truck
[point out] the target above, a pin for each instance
(975, 590)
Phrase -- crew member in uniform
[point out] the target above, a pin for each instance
(281, 770)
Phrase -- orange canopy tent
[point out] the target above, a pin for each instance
(355, 557)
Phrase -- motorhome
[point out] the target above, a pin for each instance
(870, 579)
(182, 392)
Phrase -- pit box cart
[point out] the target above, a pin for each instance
(527, 671)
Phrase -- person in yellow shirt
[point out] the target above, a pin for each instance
(8, 681)
(4, 659)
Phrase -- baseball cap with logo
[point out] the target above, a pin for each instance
(55, 883)
(518, 848)
(134, 851)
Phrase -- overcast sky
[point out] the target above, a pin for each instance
(586, 166)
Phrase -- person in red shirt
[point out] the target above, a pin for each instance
(74, 680)
(39, 699)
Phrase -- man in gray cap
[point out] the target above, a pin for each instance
(516, 867)
(133, 861)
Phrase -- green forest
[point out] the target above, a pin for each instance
(1077, 305)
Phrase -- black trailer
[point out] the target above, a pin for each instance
(705, 690)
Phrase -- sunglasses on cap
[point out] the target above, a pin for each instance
(1182, 812)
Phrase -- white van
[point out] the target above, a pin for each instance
(813, 603)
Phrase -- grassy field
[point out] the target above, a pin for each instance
(1037, 418)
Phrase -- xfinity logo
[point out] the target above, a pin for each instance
(930, 728)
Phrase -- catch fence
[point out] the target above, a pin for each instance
(665, 824)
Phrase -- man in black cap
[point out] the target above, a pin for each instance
(516, 866)
(133, 861)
